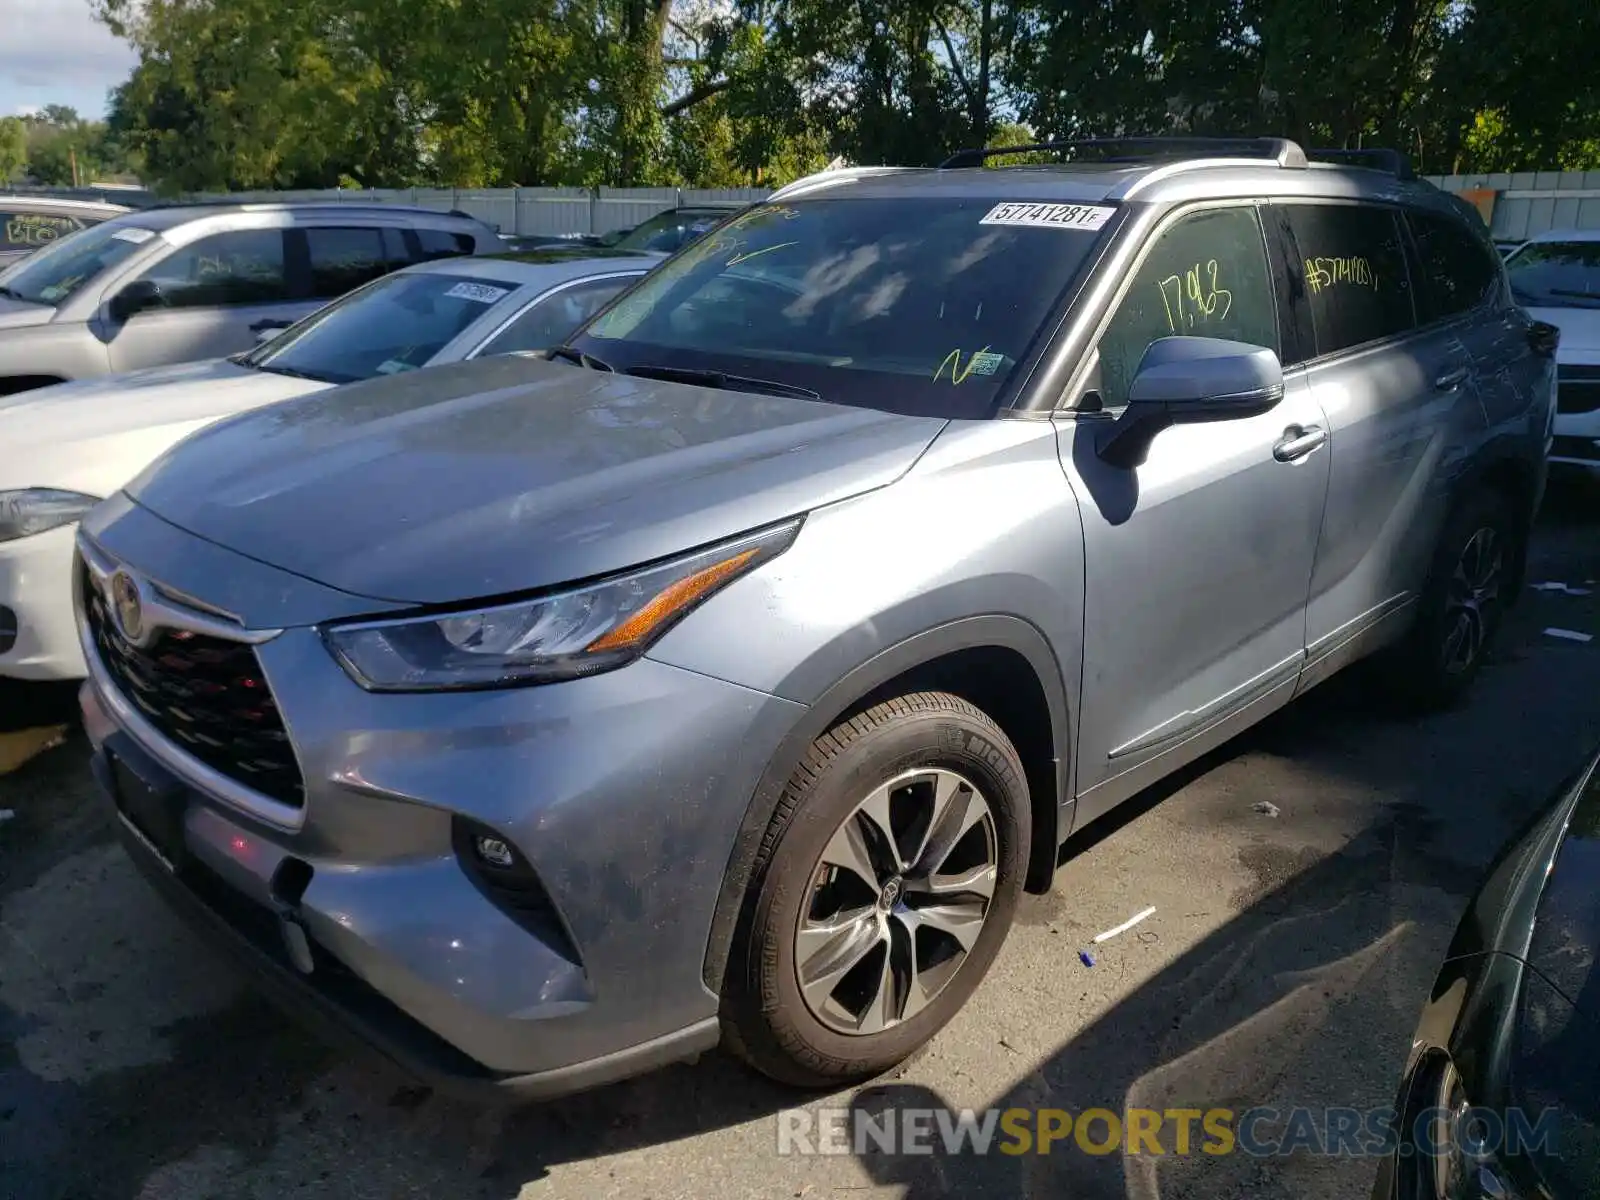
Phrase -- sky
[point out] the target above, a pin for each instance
(54, 52)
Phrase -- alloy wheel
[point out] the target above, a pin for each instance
(897, 901)
(1472, 600)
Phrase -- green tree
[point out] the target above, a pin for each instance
(13, 147)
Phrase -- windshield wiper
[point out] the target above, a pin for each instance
(721, 379)
(568, 354)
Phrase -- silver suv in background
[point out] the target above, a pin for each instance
(171, 285)
(730, 676)
(29, 223)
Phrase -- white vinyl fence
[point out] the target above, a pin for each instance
(1534, 202)
(1521, 205)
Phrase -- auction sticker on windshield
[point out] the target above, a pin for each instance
(1049, 216)
(134, 234)
(481, 292)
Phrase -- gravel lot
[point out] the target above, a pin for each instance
(1286, 962)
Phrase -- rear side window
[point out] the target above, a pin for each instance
(1356, 279)
(29, 231)
(437, 243)
(245, 266)
(1206, 276)
(341, 260)
(1457, 271)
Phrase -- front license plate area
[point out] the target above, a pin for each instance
(154, 807)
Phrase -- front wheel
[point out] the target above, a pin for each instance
(884, 887)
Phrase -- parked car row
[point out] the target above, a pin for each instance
(728, 670)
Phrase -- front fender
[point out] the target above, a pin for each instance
(979, 545)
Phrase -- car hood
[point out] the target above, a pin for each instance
(1580, 331)
(507, 474)
(20, 314)
(94, 435)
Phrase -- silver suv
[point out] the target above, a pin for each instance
(171, 285)
(730, 676)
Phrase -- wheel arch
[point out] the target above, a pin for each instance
(1002, 664)
(1507, 470)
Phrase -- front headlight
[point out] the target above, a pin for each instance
(568, 634)
(34, 510)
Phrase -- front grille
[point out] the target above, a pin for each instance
(1577, 389)
(206, 694)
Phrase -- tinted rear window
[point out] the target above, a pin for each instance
(911, 304)
(1458, 272)
(1556, 274)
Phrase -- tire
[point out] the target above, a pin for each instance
(892, 762)
(1443, 653)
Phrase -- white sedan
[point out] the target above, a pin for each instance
(64, 448)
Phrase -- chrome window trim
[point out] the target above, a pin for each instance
(162, 611)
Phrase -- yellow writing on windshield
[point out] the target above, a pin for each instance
(1330, 272)
(748, 255)
(1195, 296)
(982, 362)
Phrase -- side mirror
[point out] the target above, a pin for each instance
(1185, 380)
(135, 298)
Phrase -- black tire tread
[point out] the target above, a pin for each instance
(788, 1058)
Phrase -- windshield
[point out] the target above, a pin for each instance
(395, 324)
(1556, 275)
(914, 305)
(51, 275)
(669, 231)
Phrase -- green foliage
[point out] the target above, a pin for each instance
(383, 93)
(13, 147)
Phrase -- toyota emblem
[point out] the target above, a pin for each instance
(127, 605)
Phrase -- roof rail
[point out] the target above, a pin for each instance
(1391, 162)
(1144, 149)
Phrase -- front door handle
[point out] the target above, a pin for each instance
(1450, 380)
(1298, 441)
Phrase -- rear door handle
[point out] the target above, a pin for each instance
(1298, 441)
(1450, 380)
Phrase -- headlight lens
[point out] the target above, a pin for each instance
(34, 510)
(562, 636)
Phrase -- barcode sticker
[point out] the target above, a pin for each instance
(481, 292)
(1049, 216)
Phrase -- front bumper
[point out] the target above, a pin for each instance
(624, 791)
(36, 591)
